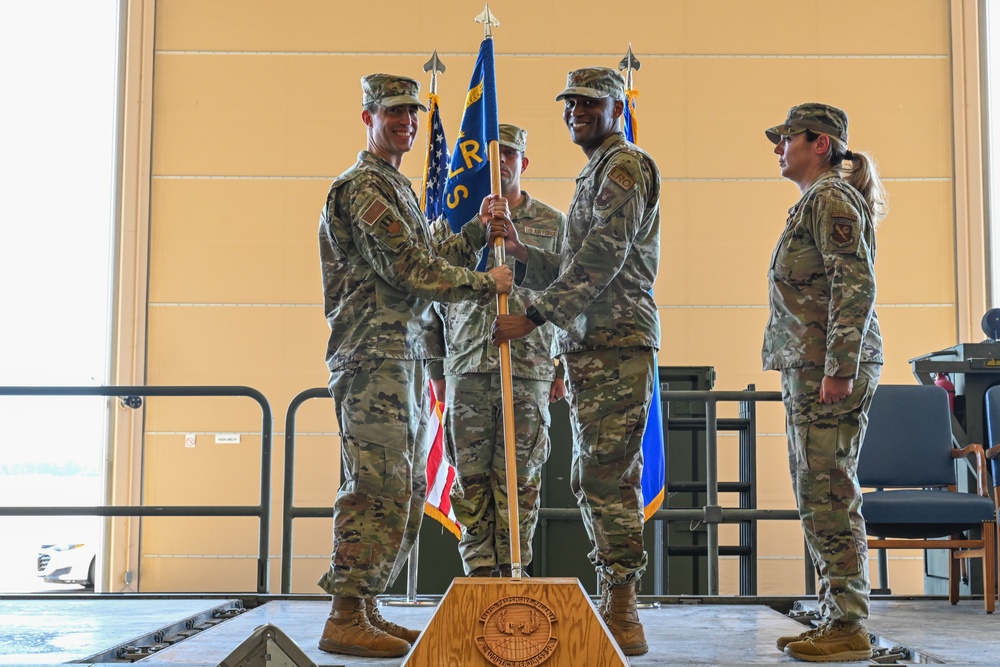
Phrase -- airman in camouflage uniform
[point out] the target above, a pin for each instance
(381, 274)
(596, 290)
(823, 336)
(474, 414)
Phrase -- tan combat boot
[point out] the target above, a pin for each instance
(348, 631)
(602, 605)
(482, 571)
(802, 636)
(837, 641)
(623, 620)
(376, 619)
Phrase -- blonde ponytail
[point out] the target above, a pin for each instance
(863, 177)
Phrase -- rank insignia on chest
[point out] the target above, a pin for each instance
(843, 233)
(374, 212)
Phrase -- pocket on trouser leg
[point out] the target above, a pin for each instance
(834, 539)
(349, 550)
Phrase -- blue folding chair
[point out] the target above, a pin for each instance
(908, 458)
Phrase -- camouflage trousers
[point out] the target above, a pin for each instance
(382, 407)
(823, 446)
(475, 447)
(609, 395)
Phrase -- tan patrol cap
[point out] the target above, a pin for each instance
(514, 137)
(594, 82)
(820, 118)
(390, 90)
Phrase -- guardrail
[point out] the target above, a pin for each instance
(289, 510)
(712, 514)
(131, 398)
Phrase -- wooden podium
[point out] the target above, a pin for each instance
(503, 622)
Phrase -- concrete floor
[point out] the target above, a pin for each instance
(53, 631)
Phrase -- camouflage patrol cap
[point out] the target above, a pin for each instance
(594, 82)
(390, 90)
(513, 137)
(820, 118)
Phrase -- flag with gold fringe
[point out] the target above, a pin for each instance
(440, 475)
(653, 464)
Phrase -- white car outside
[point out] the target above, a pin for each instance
(68, 563)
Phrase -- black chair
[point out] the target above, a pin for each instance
(908, 458)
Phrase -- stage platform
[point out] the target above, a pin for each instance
(183, 631)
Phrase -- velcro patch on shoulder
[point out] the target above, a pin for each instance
(605, 197)
(842, 232)
(620, 177)
(374, 211)
(393, 227)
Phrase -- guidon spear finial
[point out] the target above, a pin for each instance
(434, 65)
(489, 21)
(627, 64)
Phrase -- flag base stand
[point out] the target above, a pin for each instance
(484, 621)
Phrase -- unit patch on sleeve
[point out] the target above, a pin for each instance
(374, 211)
(605, 197)
(620, 177)
(843, 233)
(394, 228)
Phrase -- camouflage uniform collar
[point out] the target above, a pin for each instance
(369, 158)
(612, 140)
(820, 181)
(526, 209)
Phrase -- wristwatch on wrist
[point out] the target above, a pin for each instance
(532, 314)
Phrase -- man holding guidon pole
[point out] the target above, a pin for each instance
(596, 291)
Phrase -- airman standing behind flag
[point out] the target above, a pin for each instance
(596, 290)
(474, 433)
(381, 274)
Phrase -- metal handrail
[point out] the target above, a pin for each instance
(130, 393)
(289, 511)
(711, 514)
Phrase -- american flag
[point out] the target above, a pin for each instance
(436, 164)
(440, 475)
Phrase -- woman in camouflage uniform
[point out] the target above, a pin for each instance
(823, 336)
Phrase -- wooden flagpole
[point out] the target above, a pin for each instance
(507, 394)
(484, 621)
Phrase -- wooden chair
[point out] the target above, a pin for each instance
(908, 458)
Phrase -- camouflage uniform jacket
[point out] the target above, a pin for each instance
(822, 284)
(467, 325)
(597, 288)
(382, 272)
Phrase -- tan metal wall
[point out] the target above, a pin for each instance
(256, 106)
